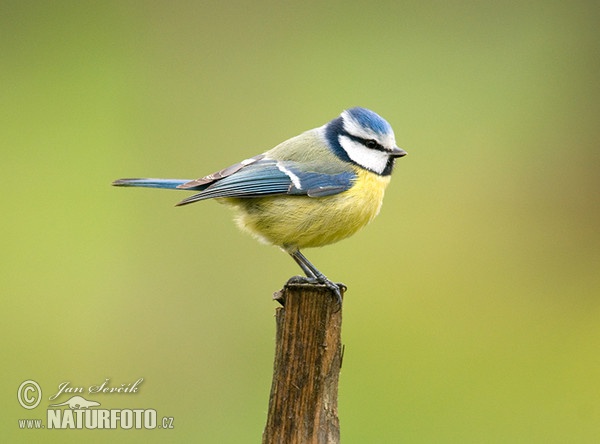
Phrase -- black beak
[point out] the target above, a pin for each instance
(398, 152)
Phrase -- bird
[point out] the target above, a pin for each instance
(312, 190)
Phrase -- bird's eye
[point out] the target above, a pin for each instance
(371, 143)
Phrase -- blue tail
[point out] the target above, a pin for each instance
(150, 183)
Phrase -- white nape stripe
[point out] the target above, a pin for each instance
(370, 159)
(294, 178)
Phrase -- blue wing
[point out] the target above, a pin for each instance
(186, 184)
(260, 176)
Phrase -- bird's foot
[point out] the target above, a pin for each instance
(336, 288)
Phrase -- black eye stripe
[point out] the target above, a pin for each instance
(368, 143)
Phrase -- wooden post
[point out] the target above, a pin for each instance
(308, 358)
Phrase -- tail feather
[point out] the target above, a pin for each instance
(150, 183)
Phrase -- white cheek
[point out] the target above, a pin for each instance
(367, 158)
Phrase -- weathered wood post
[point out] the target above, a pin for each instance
(308, 358)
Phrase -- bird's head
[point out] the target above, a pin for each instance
(364, 138)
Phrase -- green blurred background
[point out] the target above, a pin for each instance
(473, 310)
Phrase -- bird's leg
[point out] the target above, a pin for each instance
(309, 269)
(314, 276)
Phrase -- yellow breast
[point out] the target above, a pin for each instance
(301, 221)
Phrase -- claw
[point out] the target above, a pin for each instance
(314, 276)
(336, 288)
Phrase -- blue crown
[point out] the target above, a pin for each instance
(369, 119)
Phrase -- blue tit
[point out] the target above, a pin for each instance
(311, 190)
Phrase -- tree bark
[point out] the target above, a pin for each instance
(308, 358)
